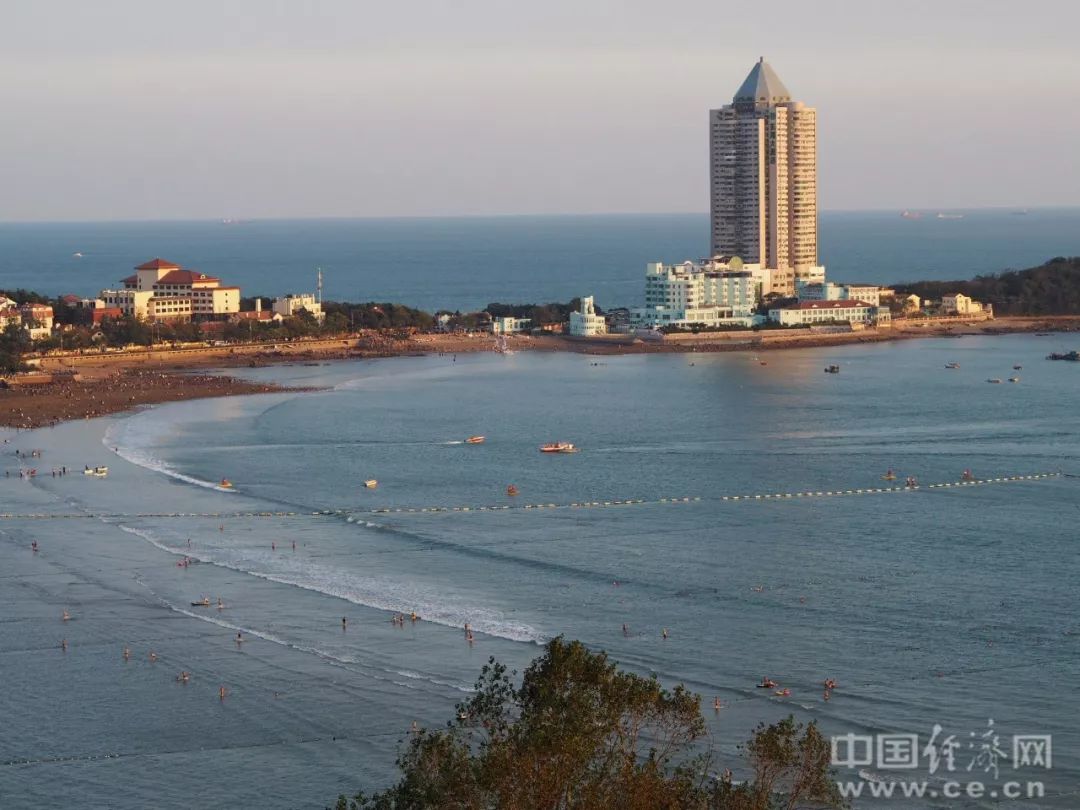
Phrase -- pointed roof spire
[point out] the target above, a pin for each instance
(762, 87)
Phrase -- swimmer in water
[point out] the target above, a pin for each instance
(413, 617)
(153, 657)
(221, 693)
(239, 638)
(127, 654)
(294, 545)
(344, 623)
(220, 604)
(65, 616)
(63, 644)
(664, 634)
(469, 637)
(273, 546)
(33, 546)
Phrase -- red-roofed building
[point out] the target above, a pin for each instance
(159, 278)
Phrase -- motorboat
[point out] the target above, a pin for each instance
(204, 602)
(371, 483)
(952, 365)
(475, 440)
(1014, 379)
(558, 447)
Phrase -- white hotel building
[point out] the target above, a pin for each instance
(716, 292)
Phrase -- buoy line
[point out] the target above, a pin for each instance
(414, 510)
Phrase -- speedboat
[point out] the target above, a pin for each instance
(952, 365)
(1014, 379)
(204, 602)
(558, 447)
(371, 483)
(475, 440)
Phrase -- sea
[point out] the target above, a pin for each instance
(465, 263)
(738, 502)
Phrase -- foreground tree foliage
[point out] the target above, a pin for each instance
(579, 734)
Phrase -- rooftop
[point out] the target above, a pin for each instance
(762, 86)
(844, 304)
(184, 277)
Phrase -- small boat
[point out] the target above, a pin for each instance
(994, 380)
(1014, 379)
(371, 483)
(100, 472)
(204, 602)
(475, 440)
(511, 490)
(1072, 357)
(225, 483)
(952, 365)
(767, 683)
(558, 447)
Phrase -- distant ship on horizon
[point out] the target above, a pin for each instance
(911, 214)
(950, 216)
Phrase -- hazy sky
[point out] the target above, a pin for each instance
(116, 109)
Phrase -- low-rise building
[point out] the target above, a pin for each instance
(833, 291)
(585, 322)
(960, 304)
(37, 320)
(809, 313)
(509, 325)
(289, 305)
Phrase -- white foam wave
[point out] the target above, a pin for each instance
(372, 592)
(132, 438)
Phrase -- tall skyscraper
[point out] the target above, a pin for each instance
(763, 170)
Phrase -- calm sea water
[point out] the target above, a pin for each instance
(466, 263)
(938, 606)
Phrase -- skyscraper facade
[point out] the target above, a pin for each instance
(763, 172)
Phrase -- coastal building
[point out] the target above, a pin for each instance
(960, 304)
(811, 313)
(585, 322)
(716, 292)
(807, 290)
(37, 320)
(509, 325)
(208, 298)
(289, 305)
(9, 314)
(763, 178)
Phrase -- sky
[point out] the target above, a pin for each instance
(156, 109)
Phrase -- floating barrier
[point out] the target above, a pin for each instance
(410, 510)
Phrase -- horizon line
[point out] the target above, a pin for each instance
(548, 215)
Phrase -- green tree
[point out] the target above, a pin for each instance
(14, 342)
(579, 734)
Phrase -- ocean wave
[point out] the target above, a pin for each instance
(132, 438)
(379, 594)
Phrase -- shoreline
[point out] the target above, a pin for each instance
(117, 382)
